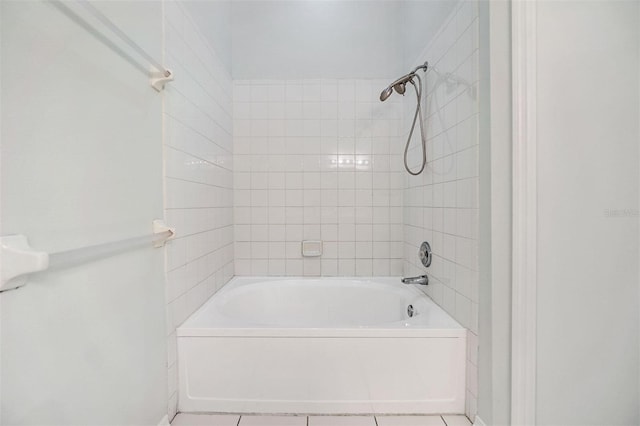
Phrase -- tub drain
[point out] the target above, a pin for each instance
(410, 311)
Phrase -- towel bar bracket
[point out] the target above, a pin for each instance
(18, 259)
(159, 78)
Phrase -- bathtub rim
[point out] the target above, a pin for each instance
(453, 329)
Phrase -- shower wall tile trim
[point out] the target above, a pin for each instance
(198, 177)
(317, 160)
(441, 206)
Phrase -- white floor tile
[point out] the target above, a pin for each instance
(273, 421)
(205, 420)
(342, 421)
(410, 421)
(456, 420)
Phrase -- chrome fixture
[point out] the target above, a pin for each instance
(410, 311)
(425, 254)
(425, 257)
(400, 87)
(421, 279)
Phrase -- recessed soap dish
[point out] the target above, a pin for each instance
(311, 248)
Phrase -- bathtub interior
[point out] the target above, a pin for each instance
(333, 302)
(314, 305)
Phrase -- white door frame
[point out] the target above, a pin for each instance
(523, 378)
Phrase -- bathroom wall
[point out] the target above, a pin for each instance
(315, 39)
(419, 22)
(495, 227)
(441, 205)
(198, 174)
(214, 23)
(81, 165)
(587, 184)
(317, 160)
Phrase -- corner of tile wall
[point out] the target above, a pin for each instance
(441, 205)
(198, 175)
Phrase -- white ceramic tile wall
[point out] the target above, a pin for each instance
(441, 205)
(319, 160)
(198, 152)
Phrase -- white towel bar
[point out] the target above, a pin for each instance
(18, 259)
(158, 75)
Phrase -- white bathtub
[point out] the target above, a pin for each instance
(321, 346)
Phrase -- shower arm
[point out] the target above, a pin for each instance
(408, 77)
(422, 67)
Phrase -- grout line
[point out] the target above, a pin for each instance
(202, 183)
(199, 82)
(191, 154)
(202, 110)
(197, 131)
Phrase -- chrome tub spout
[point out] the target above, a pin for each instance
(421, 279)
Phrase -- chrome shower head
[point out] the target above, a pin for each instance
(399, 86)
(386, 93)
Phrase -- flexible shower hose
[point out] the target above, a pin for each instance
(418, 113)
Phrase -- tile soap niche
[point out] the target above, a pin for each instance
(311, 248)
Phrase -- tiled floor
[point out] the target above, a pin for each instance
(236, 420)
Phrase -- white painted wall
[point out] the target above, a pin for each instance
(198, 174)
(315, 39)
(495, 227)
(419, 22)
(81, 165)
(213, 19)
(329, 39)
(588, 140)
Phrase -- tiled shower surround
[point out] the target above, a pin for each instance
(322, 160)
(317, 160)
(198, 149)
(441, 206)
